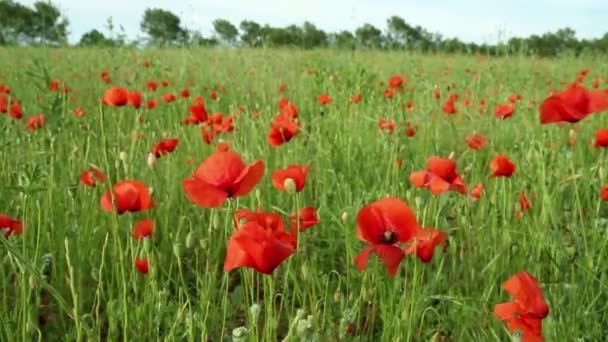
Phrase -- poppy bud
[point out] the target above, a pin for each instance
(147, 245)
(123, 156)
(304, 272)
(240, 334)
(345, 217)
(151, 160)
(337, 296)
(32, 281)
(290, 185)
(177, 250)
(190, 240)
(451, 156)
(255, 310)
(517, 336)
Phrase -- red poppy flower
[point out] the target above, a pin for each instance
(91, 176)
(185, 93)
(282, 129)
(504, 111)
(573, 104)
(395, 82)
(35, 122)
(601, 137)
(501, 166)
(78, 112)
(356, 98)
(436, 94)
(604, 193)
(222, 175)
(143, 229)
(168, 97)
(129, 195)
(324, 99)
(515, 97)
(208, 135)
(213, 95)
(386, 124)
(296, 173)
(54, 85)
(308, 218)
(383, 224)
(424, 243)
(151, 104)
(411, 129)
(135, 99)
(388, 94)
(165, 83)
(524, 203)
(146, 64)
(255, 247)
(152, 86)
(142, 265)
(476, 141)
(439, 177)
(116, 96)
(526, 311)
(267, 220)
(448, 107)
(16, 112)
(288, 109)
(164, 147)
(477, 191)
(10, 226)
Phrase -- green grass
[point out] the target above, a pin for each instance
(93, 291)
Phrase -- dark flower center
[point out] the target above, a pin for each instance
(389, 237)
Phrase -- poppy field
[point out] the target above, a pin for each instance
(245, 195)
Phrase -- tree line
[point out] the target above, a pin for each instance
(44, 24)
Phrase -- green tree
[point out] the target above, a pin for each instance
(226, 31)
(312, 37)
(343, 40)
(95, 38)
(18, 21)
(163, 28)
(251, 33)
(369, 36)
(50, 27)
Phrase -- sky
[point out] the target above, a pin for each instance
(477, 21)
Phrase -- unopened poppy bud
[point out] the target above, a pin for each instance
(122, 156)
(290, 185)
(190, 240)
(151, 160)
(147, 245)
(240, 334)
(337, 296)
(32, 281)
(517, 336)
(177, 250)
(345, 217)
(255, 310)
(304, 272)
(452, 154)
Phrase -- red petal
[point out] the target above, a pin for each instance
(248, 179)
(203, 194)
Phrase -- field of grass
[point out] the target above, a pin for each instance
(71, 276)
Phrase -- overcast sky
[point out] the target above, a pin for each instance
(470, 20)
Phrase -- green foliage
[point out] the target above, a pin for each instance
(90, 290)
(226, 31)
(42, 25)
(163, 28)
